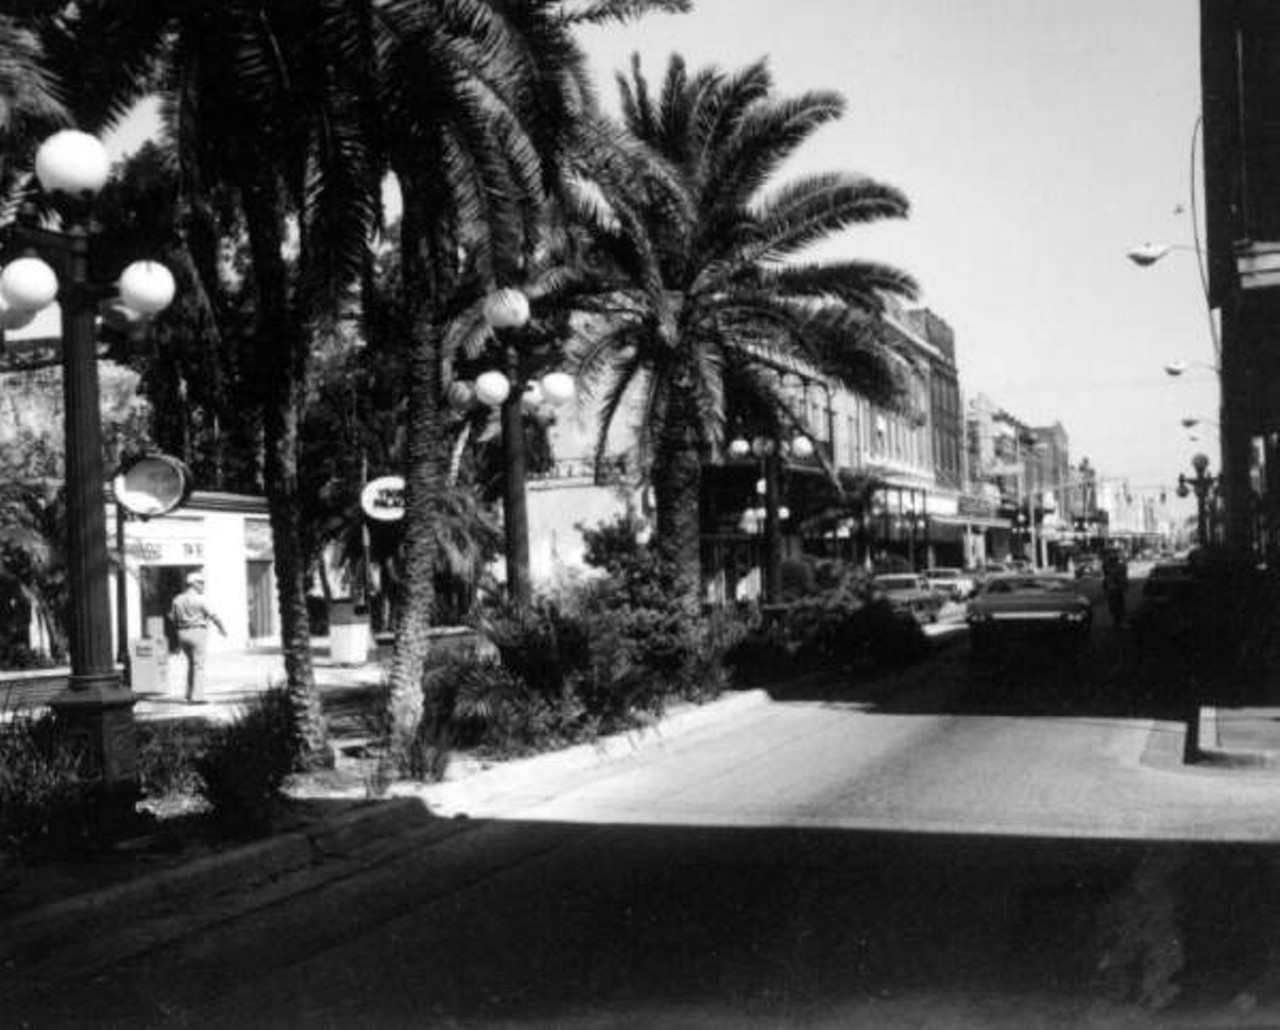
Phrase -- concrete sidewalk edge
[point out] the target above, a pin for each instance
(1215, 751)
(523, 771)
(214, 876)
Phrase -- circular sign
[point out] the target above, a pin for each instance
(383, 498)
(151, 485)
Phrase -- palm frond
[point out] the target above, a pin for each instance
(810, 209)
(594, 12)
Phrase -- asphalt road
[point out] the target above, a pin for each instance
(1009, 847)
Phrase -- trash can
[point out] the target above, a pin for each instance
(348, 633)
(148, 666)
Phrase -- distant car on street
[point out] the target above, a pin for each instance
(1169, 602)
(1088, 566)
(1029, 608)
(959, 584)
(910, 592)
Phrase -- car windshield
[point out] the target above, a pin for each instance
(1029, 584)
(1178, 571)
(944, 573)
(898, 582)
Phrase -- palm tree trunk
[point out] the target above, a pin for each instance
(280, 424)
(677, 489)
(283, 356)
(426, 478)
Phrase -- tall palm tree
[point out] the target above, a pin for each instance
(707, 295)
(485, 102)
(265, 100)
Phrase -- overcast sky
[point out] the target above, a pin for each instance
(1038, 141)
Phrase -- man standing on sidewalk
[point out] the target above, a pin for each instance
(191, 618)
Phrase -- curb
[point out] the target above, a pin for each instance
(37, 934)
(525, 771)
(40, 932)
(1215, 753)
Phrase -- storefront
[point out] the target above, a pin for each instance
(225, 536)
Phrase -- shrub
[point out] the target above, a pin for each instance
(844, 623)
(542, 646)
(243, 769)
(167, 755)
(647, 646)
(19, 657)
(49, 800)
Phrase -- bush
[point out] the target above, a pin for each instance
(542, 646)
(20, 657)
(243, 769)
(647, 645)
(842, 624)
(167, 755)
(49, 799)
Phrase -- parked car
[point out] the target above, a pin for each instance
(1034, 609)
(1170, 597)
(959, 584)
(1088, 566)
(910, 592)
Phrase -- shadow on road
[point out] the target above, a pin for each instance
(556, 924)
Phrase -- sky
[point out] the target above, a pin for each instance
(1038, 141)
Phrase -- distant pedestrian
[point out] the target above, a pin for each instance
(1115, 584)
(191, 617)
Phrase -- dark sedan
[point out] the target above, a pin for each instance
(1034, 608)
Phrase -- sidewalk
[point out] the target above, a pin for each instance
(233, 677)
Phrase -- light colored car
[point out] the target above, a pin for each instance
(1037, 608)
(957, 583)
(910, 592)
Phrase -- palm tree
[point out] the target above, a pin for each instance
(485, 106)
(707, 296)
(264, 100)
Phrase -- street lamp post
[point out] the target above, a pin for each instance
(71, 168)
(769, 452)
(1202, 484)
(505, 311)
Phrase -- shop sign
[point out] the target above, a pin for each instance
(151, 485)
(977, 507)
(163, 551)
(382, 499)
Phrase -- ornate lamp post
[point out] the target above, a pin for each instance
(510, 391)
(770, 451)
(1203, 485)
(71, 168)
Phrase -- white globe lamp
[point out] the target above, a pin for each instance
(147, 287)
(28, 284)
(72, 162)
(492, 388)
(739, 448)
(506, 309)
(557, 388)
(802, 447)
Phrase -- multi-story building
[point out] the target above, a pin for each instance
(1240, 76)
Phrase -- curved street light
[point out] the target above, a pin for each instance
(71, 168)
(1178, 367)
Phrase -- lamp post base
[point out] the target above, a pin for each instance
(97, 712)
